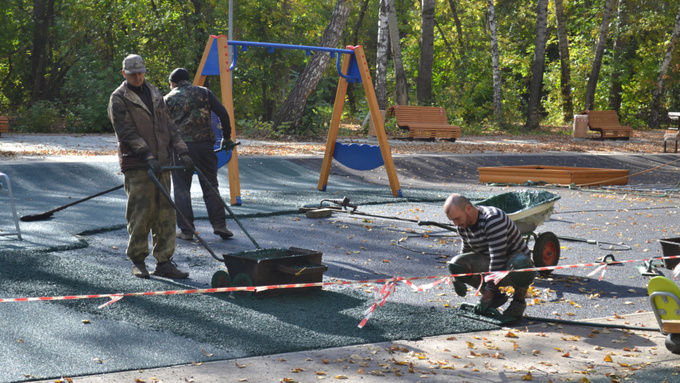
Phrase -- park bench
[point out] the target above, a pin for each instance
(4, 125)
(428, 122)
(672, 131)
(606, 122)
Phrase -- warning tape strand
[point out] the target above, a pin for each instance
(381, 294)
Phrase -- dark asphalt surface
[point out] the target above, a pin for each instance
(81, 251)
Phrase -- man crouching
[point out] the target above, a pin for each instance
(491, 242)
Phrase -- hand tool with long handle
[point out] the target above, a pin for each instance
(48, 214)
(167, 196)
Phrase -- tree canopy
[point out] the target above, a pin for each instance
(61, 59)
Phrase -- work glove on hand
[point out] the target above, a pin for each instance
(187, 162)
(154, 165)
(228, 144)
(492, 298)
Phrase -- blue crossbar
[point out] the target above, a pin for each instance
(212, 63)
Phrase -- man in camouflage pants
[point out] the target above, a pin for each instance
(190, 108)
(146, 138)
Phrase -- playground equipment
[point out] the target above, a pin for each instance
(351, 66)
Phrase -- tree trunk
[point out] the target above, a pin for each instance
(538, 65)
(351, 95)
(495, 59)
(459, 28)
(43, 17)
(380, 82)
(565, 69)
(424, 84)
(599, 52)
(658, 89)
(619, 64)
(400, 74)
(291, 111)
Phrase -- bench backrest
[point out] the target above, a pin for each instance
(599, 118)
(420, 114)
(4, 124)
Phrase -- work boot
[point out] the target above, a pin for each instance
(516, 309)
(169, 270)
(139, 270)
(460, 288)
(498, 300)
(223, 232)
(187, 236)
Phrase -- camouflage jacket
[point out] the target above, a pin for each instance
(190, 107)
(139, 132)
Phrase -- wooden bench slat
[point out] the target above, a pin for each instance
(607, 123)
(4, 124)
(424, 121)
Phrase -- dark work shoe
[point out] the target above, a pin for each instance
(223, 232)
(169, 270)
(516, 309)
(498, 300)
(185, 236)
(460, 288)
(139, 270)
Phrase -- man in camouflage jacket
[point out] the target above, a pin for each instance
(146, 137)
(190, 108)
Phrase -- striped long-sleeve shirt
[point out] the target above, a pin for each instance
(494, 236)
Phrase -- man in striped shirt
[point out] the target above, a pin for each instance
(490, 242)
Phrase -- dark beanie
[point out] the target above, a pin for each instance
(179, 74)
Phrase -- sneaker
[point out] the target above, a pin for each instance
(139, 270)
(223, 232)
(516, 309)
(169, 270)
(185, 236)
(460, 288)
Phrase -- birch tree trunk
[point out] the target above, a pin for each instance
(619, 64)
(599, 52)
(658, 89)
(380, 82)
(400, 74)
(495, 59)
(538, 65)
(565, 69)
(291, 111)
(424, 84)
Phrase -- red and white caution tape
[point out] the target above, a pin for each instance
(382, 294)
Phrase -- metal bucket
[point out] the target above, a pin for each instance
(670, 247)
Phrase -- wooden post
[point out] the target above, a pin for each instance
(228, 102)
(378, 123)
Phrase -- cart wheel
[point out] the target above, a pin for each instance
(242, 280)
(673, 343)
(546, 251)
(220, 279)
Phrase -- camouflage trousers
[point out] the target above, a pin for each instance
(149, 211)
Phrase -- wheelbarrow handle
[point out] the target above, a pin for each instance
(160, 187)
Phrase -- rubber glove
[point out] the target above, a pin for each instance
(228, 144)
(187, 162)
(154, 165)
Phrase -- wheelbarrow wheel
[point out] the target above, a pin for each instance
(673, 343)
(220, 279)
(242, 280)
(546, 251)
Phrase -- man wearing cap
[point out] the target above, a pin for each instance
(491, 242)
(147, 138)
(190, 108)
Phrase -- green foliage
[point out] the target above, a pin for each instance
(88, 39)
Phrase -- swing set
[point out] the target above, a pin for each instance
(352, 68)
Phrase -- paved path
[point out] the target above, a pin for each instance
(146, 333)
